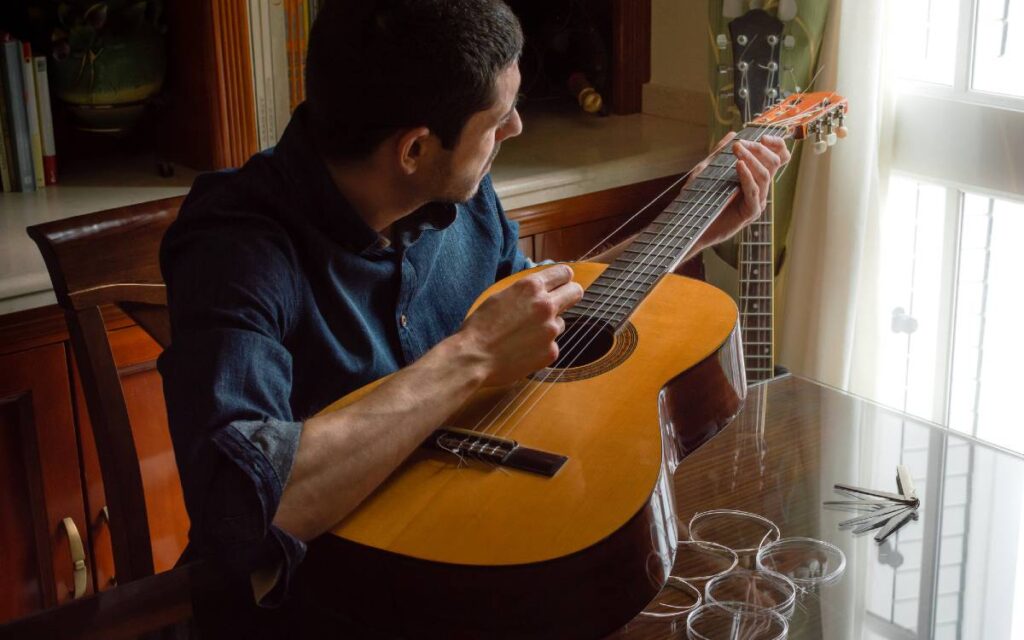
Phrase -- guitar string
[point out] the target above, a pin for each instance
(657, 263)
(780, 125)
(640, 266)
(578, 335)
(506, 401)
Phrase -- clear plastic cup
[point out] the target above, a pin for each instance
(734, 621)
(805, 561)
(765, 589)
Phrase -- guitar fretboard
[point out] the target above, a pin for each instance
(660, 247)
(756, 297)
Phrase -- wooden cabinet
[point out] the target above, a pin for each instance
(49, 470)
(40, 484)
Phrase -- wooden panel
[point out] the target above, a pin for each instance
(526, 246)
(571, 243)
(631, 53)
(46, 325)
(620, 201)
(40, 480)
(135, 355)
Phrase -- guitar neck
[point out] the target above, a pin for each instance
(657, 250)
(757, 296)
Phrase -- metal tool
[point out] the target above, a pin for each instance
(885, 511)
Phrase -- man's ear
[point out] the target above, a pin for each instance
(412, 146)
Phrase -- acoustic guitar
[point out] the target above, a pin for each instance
(544, 509)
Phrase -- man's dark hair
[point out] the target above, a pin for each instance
(378, 66)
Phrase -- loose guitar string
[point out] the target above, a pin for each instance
(645, 263)
(640, 266)
(781, 126)
(657, 261)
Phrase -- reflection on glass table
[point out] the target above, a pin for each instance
(956, 572)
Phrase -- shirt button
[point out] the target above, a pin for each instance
(404, 321)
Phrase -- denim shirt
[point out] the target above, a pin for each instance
(283, 300)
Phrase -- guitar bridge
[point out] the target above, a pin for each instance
(500, 451)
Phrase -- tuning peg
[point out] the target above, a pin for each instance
(842, 131)
(789, 42)
(773, 39)
(820, 146)
(741, 40)
(722, 42)
(723, 69)
(725, 94)
(830, 139)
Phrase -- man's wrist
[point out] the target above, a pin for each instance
(462, 349)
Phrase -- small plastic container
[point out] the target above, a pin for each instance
(675, 601)
(735, 620)
(806, 561)
(698, 562)
(765, 589)
(742, 531)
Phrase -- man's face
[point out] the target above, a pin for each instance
(481, 137)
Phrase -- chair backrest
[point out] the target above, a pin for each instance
(111, 257)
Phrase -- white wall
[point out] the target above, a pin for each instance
(679, 43)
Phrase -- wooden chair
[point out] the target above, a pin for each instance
(97, 259)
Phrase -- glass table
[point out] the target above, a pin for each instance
(955, 572)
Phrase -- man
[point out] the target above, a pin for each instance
(351, 251)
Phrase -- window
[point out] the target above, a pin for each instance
(944, 345)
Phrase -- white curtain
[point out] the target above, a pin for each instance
(826, 290)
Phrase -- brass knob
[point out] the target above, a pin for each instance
(77, 549)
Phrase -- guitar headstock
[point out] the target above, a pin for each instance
(820, 115)
(756, 47)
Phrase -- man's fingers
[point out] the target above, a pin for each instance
(778, 145)
(567, 295)
(760, 161)
(554, 276)
(751, 194)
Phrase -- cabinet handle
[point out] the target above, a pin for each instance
(77, 557)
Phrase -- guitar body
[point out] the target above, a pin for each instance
(446, 548)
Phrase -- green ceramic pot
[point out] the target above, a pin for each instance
(108, 90)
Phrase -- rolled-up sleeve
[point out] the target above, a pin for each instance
(227, 382)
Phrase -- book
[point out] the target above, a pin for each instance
(23, 173)
(259, 78)
(45, 120)
(28, 76)
(6, 160)
(279, 64)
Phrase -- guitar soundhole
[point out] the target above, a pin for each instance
(584, 341)
(588, 348)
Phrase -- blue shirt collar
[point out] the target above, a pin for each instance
(329, 210)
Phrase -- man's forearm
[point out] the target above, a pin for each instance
(344, 455)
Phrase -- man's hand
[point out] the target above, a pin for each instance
(513, 332)
(756, 164)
